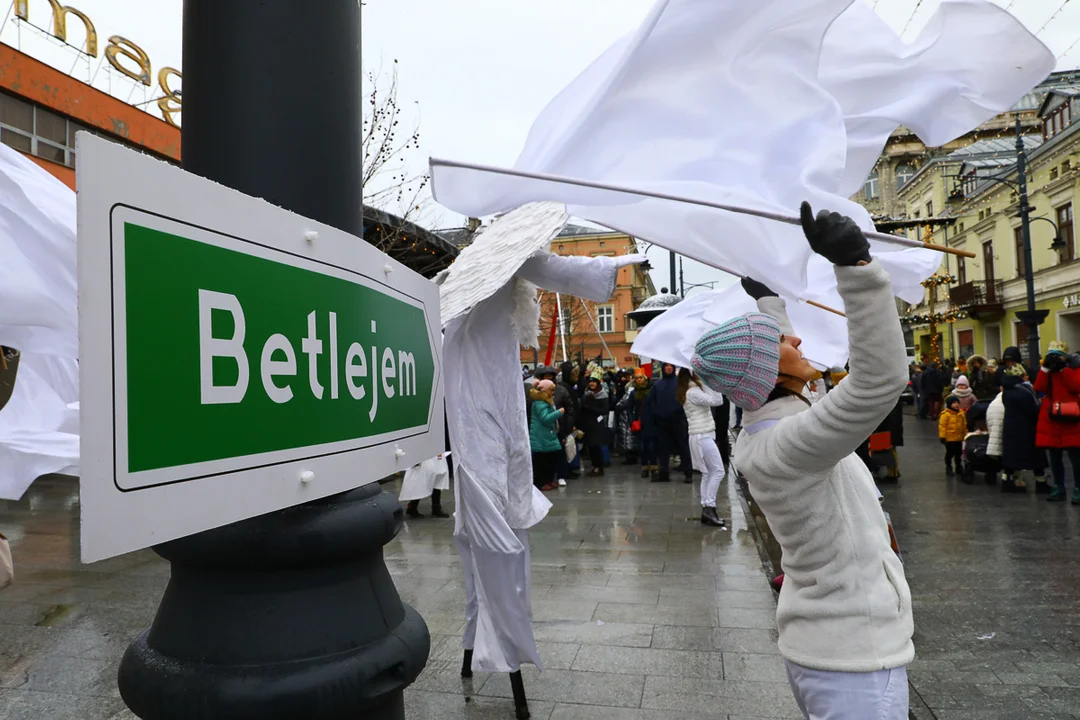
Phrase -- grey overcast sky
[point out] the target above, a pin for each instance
(473, 73)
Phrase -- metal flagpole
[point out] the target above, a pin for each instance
(598, 333)
(562, 327)
(788, 219)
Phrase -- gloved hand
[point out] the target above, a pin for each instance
(756, 289)
(944, 442)
(1055, 362)
(834, 237)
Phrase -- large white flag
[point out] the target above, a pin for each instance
(38, 264)
(761, 105)
(672, 336)
(39, 432)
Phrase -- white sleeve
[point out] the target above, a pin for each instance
(776, 308)
(704, 396)
(591, 278)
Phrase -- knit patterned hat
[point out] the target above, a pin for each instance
(740, 359)
(1058, 346)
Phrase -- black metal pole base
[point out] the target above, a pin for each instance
(466, 665)
(288, 615)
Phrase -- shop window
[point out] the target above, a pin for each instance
(1065, 228)
(965, 341)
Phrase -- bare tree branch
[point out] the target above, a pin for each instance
(387, 149)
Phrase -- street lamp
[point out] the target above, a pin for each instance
(1031, 317)
(1058, 244)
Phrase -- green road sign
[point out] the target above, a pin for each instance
(235, 358)
(259, 355)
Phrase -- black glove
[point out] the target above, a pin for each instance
(1055, 362)
(756, 289)
(834, 237)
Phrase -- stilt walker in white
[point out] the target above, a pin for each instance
(489, 310)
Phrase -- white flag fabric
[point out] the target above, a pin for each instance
(952, 78)
(39, 426)
(672, 336)
(751, 104)
(38, 264)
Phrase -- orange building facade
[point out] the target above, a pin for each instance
(41, 109)
(578, 336)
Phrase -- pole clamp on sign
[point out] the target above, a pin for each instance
(234, 360)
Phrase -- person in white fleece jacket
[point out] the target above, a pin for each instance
(698, 402)
(844, 613)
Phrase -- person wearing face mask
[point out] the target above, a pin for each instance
(844, 614)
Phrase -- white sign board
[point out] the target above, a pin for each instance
(235, 358)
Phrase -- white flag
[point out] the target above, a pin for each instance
(38, 276)
(39, 425)
(739, 103)
(672, 336)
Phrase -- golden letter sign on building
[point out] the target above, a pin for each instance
(118, 46)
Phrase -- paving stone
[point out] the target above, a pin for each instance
(583, 688)
(422, 705)
(648, 661)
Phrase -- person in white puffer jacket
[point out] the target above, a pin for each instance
(995, 423)
(698, 402)
(844, 614)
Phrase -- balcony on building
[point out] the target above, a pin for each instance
(979, 298)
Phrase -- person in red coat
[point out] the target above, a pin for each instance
(1061, 384)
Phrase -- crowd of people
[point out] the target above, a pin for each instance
(586, 411)
(1006, 420)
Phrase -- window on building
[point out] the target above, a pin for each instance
(1066, 166)
(1053, 173)
(930, 209)
(1065, 228)
(567, 318)
(904, 172)
(605, 318)
(1018, 243)
(871, 189)
(37, 130)
(960, 227)
(961, 271)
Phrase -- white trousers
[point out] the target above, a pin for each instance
(707, 459)
(825, 695)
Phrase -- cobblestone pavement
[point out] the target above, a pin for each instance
(995, 580)
(640, 612)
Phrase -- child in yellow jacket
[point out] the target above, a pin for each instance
(952, 426)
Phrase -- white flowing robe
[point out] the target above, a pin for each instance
(496, 500)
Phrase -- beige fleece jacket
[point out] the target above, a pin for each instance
(845, 604)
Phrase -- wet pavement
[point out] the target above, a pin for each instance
(640, 612)
(995, 580)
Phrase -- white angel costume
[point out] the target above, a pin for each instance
(421, 480)
(489, 311)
